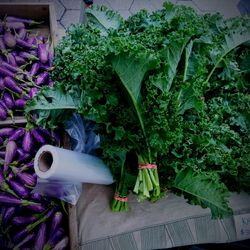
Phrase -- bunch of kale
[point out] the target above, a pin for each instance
(168, 92)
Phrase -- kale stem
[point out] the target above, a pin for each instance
(148, 180)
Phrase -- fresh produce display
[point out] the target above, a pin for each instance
(27, 220)
(169, 94)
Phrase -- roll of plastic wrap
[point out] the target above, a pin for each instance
(53, 163)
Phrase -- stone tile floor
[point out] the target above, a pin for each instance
(70, 11)
(229, 8)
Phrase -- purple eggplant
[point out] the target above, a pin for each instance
(1, 141)
(11, 59)
(28, 56)
(3, 114)
(3, 105)
(11, 84)
(31, 40)
(9, 101)
(9, 212)
(34, 68)
(28, 238)
(34, 53)
(45, 133)
(19, 189)
(10, 200)
(6, 72)
(22, 33)
(10, 153)
(14, 25)
(62, 244)
(43, 52)
(26, 230)
(10, 67)
(20, 60)
(22, 20)
(23, 220)
(36, 196)
(27, 142)
(6, 131)
(9, 40)
(20, 103)
(26, 179)
(55, 222)
(1, 84)
(54, 238)
(23, 158)
(38, 136)
(24, 44)
(33, 92)
(50, 213)
(42, 78)
(36, 208)
(41, 237)
(20, 235)
(17, 135)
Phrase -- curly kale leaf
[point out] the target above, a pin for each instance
(103, 19)
(204, 189)
(52, 106)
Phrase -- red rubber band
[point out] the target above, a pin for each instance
(119, 198)
(147, 166)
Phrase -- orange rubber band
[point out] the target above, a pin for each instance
(119, 198)
(147, 166)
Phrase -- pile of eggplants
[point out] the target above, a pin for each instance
(25, 62)
(27, 219)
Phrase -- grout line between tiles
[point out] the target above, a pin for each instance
(131, 5)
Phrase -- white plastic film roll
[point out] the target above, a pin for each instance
(53, 163)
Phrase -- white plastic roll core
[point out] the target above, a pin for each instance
(45, 161)
(54, 163)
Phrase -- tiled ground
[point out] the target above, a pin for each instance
(228, 8)
(70, 11)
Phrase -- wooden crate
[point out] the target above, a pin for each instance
(44, 12)
(41, 12)
(72, 215)
(17, 120)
